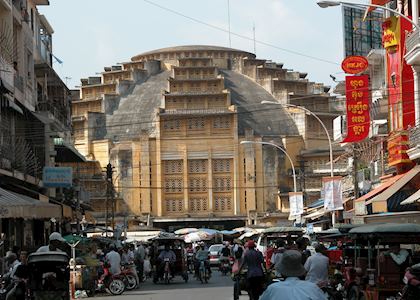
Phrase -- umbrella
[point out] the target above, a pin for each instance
(71, 239)
(229, 232)
(197, 236)
(183, 231)
(209, 231)
(248, 234)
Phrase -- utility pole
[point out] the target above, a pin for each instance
(109, 196)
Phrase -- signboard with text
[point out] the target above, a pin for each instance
(333, 196)
(296, 204)
(357, 106)
(55, 177)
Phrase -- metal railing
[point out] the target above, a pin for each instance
(413, 39)
(414, 136)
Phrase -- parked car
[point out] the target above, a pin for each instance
(215, 254)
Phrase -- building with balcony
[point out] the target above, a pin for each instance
(35, 125)
(171, 122)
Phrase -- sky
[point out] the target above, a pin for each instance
(92, 34)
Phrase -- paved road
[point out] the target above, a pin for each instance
(219, 288)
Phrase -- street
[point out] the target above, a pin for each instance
(219, 287)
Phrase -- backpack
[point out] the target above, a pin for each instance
(239, 252)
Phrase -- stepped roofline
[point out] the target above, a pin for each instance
(195, 48)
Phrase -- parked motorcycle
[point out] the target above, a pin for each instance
(128, 272)
(113, 284)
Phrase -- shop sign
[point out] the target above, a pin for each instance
(357, 105)
(354, 64)
(391, 32)
(54, 177)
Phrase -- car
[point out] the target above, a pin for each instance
(215, 254)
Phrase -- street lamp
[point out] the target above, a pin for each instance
(323, 126)
(319, 120)
(326, 4)
(282, 150)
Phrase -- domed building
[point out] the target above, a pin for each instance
(170, 122)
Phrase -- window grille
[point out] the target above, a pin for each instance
(197, 166)
(196, 123)
(198, 204)
(173, 166)
(172, 124)
(174, 205)
(222, 165)
(173, 185)
(222, 123)
(197, 184)
(223, 203)
(222, 184)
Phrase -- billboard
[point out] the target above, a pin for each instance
(54, 177)
(361, 36)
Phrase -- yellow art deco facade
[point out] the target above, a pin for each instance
(171, 122)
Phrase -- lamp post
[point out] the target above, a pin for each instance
(326, 4)
(282, 150)
(323, 126)
(318, 119)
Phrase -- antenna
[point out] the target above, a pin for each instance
(66, 78)
(230, 41)
(255, 44)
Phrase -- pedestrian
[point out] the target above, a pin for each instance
(317, 266)
(139, 256)
(254, 261)
(293, 286)
(277, 256)
(302, 244)
(113, 258)
(20, 277)
(55, 243)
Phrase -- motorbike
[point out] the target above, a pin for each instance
(128, 272)
(203, 274)
(113, 284)
(225, 266)
(167, 271)
(190, 262)
(411, 279)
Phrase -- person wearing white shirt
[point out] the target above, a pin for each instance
(292, 287)
(317, 266)
(54, 242)
(114, 260)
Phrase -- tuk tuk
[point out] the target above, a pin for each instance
(179, 268)
(49, 276)
(288, 234)
(371, 250)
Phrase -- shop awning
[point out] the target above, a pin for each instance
(13, 205)
(315, 215)
(380, 188)
(396, 186)
(412, 199)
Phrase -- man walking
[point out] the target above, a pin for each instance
(317, 266)
(293, 287)
(254, 261)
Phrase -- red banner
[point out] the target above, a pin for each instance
(375, 2)
(357, 104)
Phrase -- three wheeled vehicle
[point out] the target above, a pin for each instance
(49, 276)
(380, 255)
(164, 270)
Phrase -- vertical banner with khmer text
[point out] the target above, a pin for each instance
(357, 105)
(333, 197)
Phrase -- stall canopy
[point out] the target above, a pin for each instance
(380, 188)
(13, 205)
(401, 182)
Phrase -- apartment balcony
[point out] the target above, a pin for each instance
(412, 44)
(414, 143)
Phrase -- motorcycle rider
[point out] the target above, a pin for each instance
(167, 253)
(202, 255)
(224, 254)
(114, 260)
(55, 242)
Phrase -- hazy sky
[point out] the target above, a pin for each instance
(92, 34)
